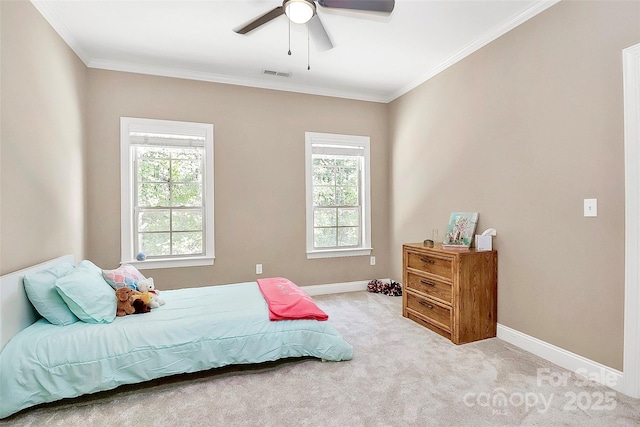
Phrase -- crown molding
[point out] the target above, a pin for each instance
(59, 27)
(63, 31)
(476, 45)
(231, 80)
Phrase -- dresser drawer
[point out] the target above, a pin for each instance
(430, 310)
(419, 320)
(434, 264)
(431, 287)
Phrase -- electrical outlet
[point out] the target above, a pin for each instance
(372, 261)
(258, 268)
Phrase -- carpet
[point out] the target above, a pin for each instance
(401, 375)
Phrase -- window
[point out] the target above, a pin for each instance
(167, 192)
(338, 195)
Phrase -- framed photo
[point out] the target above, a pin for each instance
(461, 229)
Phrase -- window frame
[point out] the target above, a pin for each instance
(127, 193)
(348, 142)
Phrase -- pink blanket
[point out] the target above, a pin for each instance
(287, 301)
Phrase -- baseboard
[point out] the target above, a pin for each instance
(581, 365)
(337, 288)
(573, 362)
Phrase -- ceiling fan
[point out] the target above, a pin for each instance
(303, 11)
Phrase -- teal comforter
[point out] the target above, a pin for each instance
(197, 329)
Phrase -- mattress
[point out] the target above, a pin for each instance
(197, 329)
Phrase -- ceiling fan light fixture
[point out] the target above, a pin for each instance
(299, 11)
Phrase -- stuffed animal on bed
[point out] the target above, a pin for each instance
(147, 285)
(141, 301)
(123, 296)
(145, 297)
(140, 307)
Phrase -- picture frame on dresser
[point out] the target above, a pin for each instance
(460, 230)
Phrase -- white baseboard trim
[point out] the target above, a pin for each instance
(337, 288)
(573, 362)
(580, 365)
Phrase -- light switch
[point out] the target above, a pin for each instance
(590, 207)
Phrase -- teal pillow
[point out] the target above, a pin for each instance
(41, 291)
(87, 294)
(87, 265)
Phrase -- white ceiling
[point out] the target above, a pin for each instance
(375, 58)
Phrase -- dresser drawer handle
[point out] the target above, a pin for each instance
(430, 261)
(426, 304)
(426, 282)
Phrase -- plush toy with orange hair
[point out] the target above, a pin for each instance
(141, 301)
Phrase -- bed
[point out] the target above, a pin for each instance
(197, 329)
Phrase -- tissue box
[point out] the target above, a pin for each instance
(484, 243)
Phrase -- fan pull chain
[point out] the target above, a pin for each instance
(308, 50)
(289, 37)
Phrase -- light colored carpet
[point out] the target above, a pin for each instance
(401, 375)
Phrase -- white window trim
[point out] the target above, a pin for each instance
(345, 140)
(129, 124)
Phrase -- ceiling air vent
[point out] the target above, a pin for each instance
(276, 73)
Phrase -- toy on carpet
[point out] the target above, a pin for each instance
(391, 288)
(147, 285)
(123, 296)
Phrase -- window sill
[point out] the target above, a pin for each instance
(170, 262)
(338, 253)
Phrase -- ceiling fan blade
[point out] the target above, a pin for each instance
(262, 19)
(319, 34)
(371, 5)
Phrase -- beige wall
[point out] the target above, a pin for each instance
(42, 141)
(522, 131)
(259, 174)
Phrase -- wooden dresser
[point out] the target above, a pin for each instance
(453, 292)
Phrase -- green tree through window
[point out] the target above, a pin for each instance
(338, 195)
(169, 200)
(336, 201)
